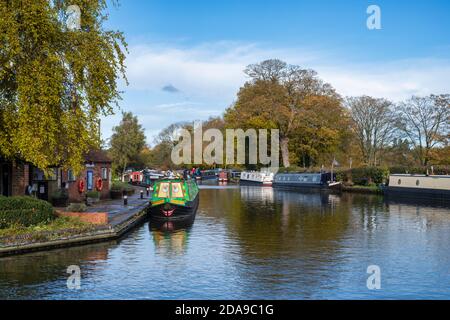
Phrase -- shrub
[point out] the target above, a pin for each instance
(59, 198)
(343, 175)
(24, 211)
(119, 186)
(363, 176)
(77, 207)
(93, 194)
(59, 194)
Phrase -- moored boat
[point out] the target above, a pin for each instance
(264, 178)
(174, 199)
(419, 186)
(321, 180)
(223, 176)
(206, 175)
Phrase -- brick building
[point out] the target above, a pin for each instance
(97, 167)
(16, 177)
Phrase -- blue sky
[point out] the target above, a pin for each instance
(186, 57)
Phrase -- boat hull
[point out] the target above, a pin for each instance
(308, 186)
(174, 212)
(208, 178)
(417, 193)
(255, 183)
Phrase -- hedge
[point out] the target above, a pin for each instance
(93, 194)
(363, 176)
(121, 186)
(77, 207)
(24, 211)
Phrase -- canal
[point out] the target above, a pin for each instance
(256, 243)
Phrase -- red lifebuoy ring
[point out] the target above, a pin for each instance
(80, 186)
(99, 184)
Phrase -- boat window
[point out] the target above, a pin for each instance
(177, 192)
(399, 181)
(163, 190)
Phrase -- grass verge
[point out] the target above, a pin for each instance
(61, 227)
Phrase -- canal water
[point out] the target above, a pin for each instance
(257, 243)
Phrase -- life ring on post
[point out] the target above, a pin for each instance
(99, 184)
(80, 186)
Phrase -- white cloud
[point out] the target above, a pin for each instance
(394, 80)
(215, 70)
(206, 71)
(208, 77)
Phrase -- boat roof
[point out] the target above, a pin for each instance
(419, 175)
(306, 173)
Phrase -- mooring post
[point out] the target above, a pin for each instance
(148, 191)
(142, 194)
(125, 200)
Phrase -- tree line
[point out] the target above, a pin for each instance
(317, 125)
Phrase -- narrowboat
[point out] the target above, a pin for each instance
(136, 177)
(206, 175)
(264, 178)
(174, 199)
(223, 176)
(154, 174)
(321, 180)
(419, 186)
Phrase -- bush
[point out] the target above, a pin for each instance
(60, 194)
(24, 211)
(118, 186)
(364, 176)
(59, 198)
(76, 207)
(93, 194)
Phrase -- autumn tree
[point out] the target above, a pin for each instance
(127, 141)
(321, 131)
(276, 97)
(425, 122)
(373, 124)
(143, 159)
(55, 81)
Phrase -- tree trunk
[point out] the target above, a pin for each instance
(123, 172)
(284, 146)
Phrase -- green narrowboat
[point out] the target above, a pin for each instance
(174, 199)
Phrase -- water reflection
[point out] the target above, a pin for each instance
(171, 236)
(257, 243)
(22, 276)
